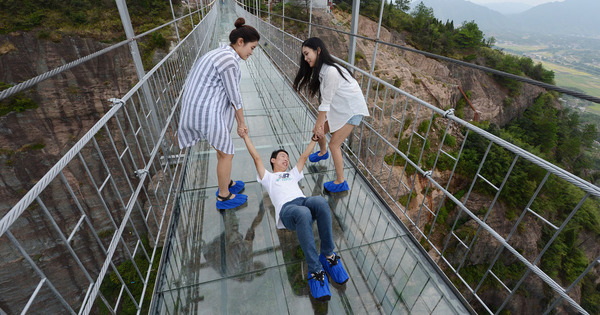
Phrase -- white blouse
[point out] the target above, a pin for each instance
(341, 99)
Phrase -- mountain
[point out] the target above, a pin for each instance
(570, 17)
(508, 8)
(462, 10)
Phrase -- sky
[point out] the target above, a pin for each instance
(530, 2)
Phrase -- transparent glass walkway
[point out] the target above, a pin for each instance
(237, 262)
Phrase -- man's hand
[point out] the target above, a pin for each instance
(260, 168)
(309, 149)
(242, 130)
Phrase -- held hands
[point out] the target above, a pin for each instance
(242, 131)
(318, 131)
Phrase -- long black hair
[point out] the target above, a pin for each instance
(307, 77)
(245, 32)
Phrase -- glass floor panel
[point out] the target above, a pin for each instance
(237, 261)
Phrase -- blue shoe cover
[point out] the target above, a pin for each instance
(234, 187)
(232, 203)
(316, 158)
(319, 286)
(334, 268)
(331, 187)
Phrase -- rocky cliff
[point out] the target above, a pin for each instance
(69, 103)
(33, 140)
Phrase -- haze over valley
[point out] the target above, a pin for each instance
(564, 36)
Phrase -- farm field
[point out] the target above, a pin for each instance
(574, 79)
(594, 109)
(565, 76)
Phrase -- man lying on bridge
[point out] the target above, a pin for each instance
(294, 211)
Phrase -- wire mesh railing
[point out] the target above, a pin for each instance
(492, 226)
(87, 237)
(490, 214)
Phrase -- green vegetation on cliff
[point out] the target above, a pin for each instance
(553, 134)
(16, 103)
(128, 272)
(96, 19)
(559, 137)
(100, 20)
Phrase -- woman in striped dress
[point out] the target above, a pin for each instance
(211, 100)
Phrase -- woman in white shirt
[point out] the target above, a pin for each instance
(342, 104)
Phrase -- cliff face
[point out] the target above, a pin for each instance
(492, 100)
(32, 141)
(69, 103)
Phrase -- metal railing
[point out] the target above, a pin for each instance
(440, 175)
(87, 237)
(102, 207)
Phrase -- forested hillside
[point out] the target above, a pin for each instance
(100, 20)
(54, 20)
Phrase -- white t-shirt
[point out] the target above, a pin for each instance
(341, 99)
(282, 188)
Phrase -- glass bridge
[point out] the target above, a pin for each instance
(128, 221)
(237, 262)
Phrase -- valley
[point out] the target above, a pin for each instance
(575, 62)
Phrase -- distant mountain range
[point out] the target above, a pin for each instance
(570, 17)
(509, 7)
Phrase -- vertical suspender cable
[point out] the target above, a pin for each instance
(310, 19)
(375, 50)
(176, 29)
(354, 30)
(189, 5)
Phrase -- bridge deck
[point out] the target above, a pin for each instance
(237, 262)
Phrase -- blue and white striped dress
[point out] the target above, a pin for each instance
(207, 112)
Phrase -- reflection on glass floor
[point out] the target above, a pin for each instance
(237, 262)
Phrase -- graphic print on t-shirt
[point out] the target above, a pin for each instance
(283, 177)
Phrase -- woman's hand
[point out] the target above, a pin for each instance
(318, 131)
(242, 130)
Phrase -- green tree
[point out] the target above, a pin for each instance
(27, 15)
(469, 36)
(402, 5)
(540, 121)
(422, 16)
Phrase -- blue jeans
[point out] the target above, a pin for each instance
(298, 215)
(355, 120)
